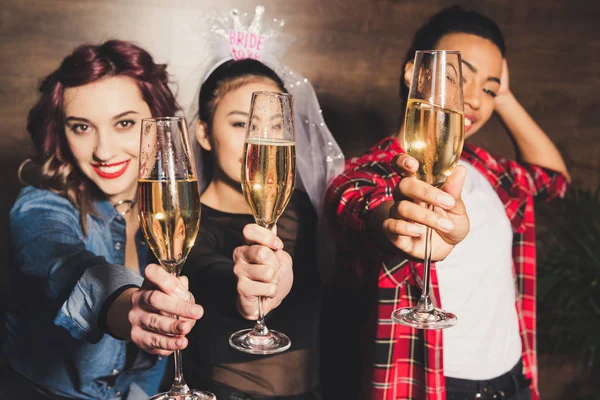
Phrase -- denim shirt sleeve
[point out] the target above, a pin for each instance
(48, 245)
(79, 313)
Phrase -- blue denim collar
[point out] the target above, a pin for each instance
(105, 212)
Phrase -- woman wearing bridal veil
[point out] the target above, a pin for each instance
(243, 60)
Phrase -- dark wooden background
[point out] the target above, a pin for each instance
(350, 49)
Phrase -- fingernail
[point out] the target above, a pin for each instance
(278, 244)
(410, 163)
(180, 342)
(446, 200)
(196, 311)
(182, 294)
(182, 327)
(445, 224)
(415, 229)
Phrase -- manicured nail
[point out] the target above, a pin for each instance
(445, 224)
(446, 200)
(196, 311)
(182, 327)
(278, 244)
(410, 163)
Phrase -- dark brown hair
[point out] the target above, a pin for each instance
(228, 76)
(453, 19)
(88, 63)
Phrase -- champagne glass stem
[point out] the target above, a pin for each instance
(179, 386)
(260, 329)
(424, 304)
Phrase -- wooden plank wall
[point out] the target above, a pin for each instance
(350, 49)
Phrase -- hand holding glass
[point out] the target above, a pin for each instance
(268, 177)
(169, 210)
(434, 135)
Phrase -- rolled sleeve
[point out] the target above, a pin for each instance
(366, 184)
(79, 313)
(543, 183)
(546, 183)
(49, 251)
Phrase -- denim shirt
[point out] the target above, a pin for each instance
(59, 280)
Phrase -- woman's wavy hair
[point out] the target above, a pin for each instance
(453, 19)
(57, 170)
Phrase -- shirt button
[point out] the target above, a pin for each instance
(109, 387)
(159, 358)
(115, 371)
(143, 242)
(118, 246)
(118, 393)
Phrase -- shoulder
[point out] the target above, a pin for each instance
(383, 151)
(39, 208)
(479, 157)
(372, 168)
(34, 199)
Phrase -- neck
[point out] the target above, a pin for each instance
(125, 198)
(226, 197)
(126, 207)
(132, 220)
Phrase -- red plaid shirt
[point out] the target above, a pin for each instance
(406, 363)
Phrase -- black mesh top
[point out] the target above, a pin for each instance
(209, 358)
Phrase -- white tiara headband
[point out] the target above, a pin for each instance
(318, 156)
(250, 41)
(245, 40)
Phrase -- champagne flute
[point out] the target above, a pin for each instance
(434, 135)
(268, 177)
(169, 211)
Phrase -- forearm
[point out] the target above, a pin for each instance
(534, 146)
(83, 313)
(117, 318)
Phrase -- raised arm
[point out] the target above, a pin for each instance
(373, 210)
(533, 145)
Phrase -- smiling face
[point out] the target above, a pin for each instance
(226, 139)
(481, 68)
(102, 127)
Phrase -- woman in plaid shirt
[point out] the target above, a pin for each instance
(486, 277)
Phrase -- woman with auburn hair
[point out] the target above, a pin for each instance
(78, 254)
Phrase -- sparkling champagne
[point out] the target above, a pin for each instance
(434, 136)
(170, 218)
(268, 176)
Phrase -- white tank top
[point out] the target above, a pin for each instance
(476, 283)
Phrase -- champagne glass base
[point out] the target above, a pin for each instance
(272, 343)
(192, 395)
(434, 319)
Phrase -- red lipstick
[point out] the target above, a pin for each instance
(114, 173)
